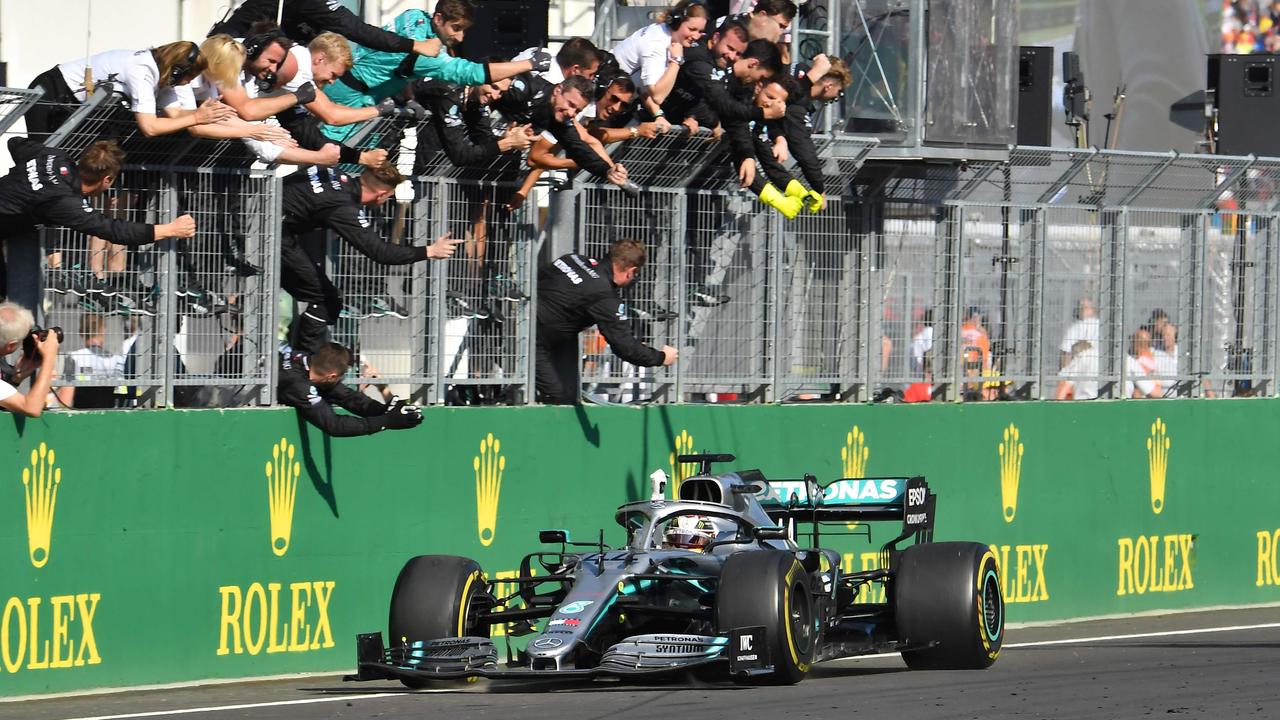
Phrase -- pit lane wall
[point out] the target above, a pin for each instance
(165, 546)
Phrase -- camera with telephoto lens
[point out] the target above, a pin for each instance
(38, 334)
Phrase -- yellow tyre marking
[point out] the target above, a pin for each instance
(786, 619)
(462, 603)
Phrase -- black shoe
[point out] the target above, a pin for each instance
(66, 282)
(503, 289)
(100, 288)
(458, 305)
(239, 266)
(482, 312)
(658, 314)
(387, 305)
(190, 291)
(356, 310)
(496, 315)
(705, 297)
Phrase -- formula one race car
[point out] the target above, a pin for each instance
(714, 582)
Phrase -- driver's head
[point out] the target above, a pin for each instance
(616, 98)
(328, 365)
(688, 532)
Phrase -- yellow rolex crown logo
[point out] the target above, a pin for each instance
(679, 471)
(1158, 462)
(282, 490)
(489, 466)
(40, 481)
(854, 454)
(1010, 471)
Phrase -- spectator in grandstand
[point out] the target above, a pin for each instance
(652, 55)
(311, 383)
(975, 351)
(718, 86)
(139, 75)
(574, 293)
(1084, 327)
(304, 20)
(1140, 367)
(1080, 376)
(1164, 343)
(316, 198)
(16, 325)
(823, 83)
(89, 363)
(377, 75)
(45, 188)
(577, 56)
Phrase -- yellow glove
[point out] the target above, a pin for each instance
(788, 206)
(796, 190)
(814, 201)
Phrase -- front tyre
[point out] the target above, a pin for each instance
(437, 596)
(949, 605)
(771, 589)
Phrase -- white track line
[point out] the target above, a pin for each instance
(352, 698)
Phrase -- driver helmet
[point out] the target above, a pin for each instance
(689, 532)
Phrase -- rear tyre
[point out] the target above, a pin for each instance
(771, 589)
(947, 596)
(437, 596)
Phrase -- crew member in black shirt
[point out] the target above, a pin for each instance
(45, 188)
(317, 198)
(461, 123)
(716, 81)
(312, 384)
(303, 20)
(574, 293)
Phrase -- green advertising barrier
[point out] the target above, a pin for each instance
(166, 546)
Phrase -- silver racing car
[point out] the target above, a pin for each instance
(730, 580)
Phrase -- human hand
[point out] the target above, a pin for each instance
(774, 110)
(48, 346)
(444, 246)
(517, 137)
(675, 52)
(401, 416)
(372, 158)
(305, 94)
(669, 355)
(428, 48)
(780, 150)
(815, 201)
(747, 172)
(821, 66)
(617, 174)
(183, 226)
(330, 154)
(647, 130)
(212, 111)
(541, 61)
(661, 125)
(267, 132)
(692, 124)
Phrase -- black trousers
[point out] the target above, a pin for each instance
(53, 109)
(20, 275)
(302, 275)
(556, 369)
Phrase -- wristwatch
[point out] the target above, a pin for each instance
(674, 59)
(634, 132)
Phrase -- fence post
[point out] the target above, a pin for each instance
(271, 283)
(439, 286)
(777, 358)
(166, 280)
(680, 240)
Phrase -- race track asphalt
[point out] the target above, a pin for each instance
(1221, 665)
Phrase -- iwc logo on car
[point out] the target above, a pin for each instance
(276, 616)
(489, 466)
(682, 445)
(46, 633)
(1022, 567)
(1162, 562)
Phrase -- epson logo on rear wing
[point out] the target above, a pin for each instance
(880, 491)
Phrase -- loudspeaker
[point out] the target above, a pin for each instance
(1245, 91)
(505, 27)
(1035, 85)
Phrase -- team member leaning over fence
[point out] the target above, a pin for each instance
(312, 384)
(752, 147)
(768, 20)
(717, 86)
(45, 188)
(824, 83)
(652, 55)
(139, 75)
(377, 75)
(460, 123)
(40, 358)
(303, 20)
(574, 293)
(577, 56)
(316, 198)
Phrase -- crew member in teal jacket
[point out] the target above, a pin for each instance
(376, 74)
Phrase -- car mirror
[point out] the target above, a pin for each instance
(770, 533)
(553, 536)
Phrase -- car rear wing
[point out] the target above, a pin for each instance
(908, 500)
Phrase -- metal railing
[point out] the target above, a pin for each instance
(961, 282)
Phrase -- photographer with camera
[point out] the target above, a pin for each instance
(39, 356)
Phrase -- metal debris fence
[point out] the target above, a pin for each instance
(1057, 273)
